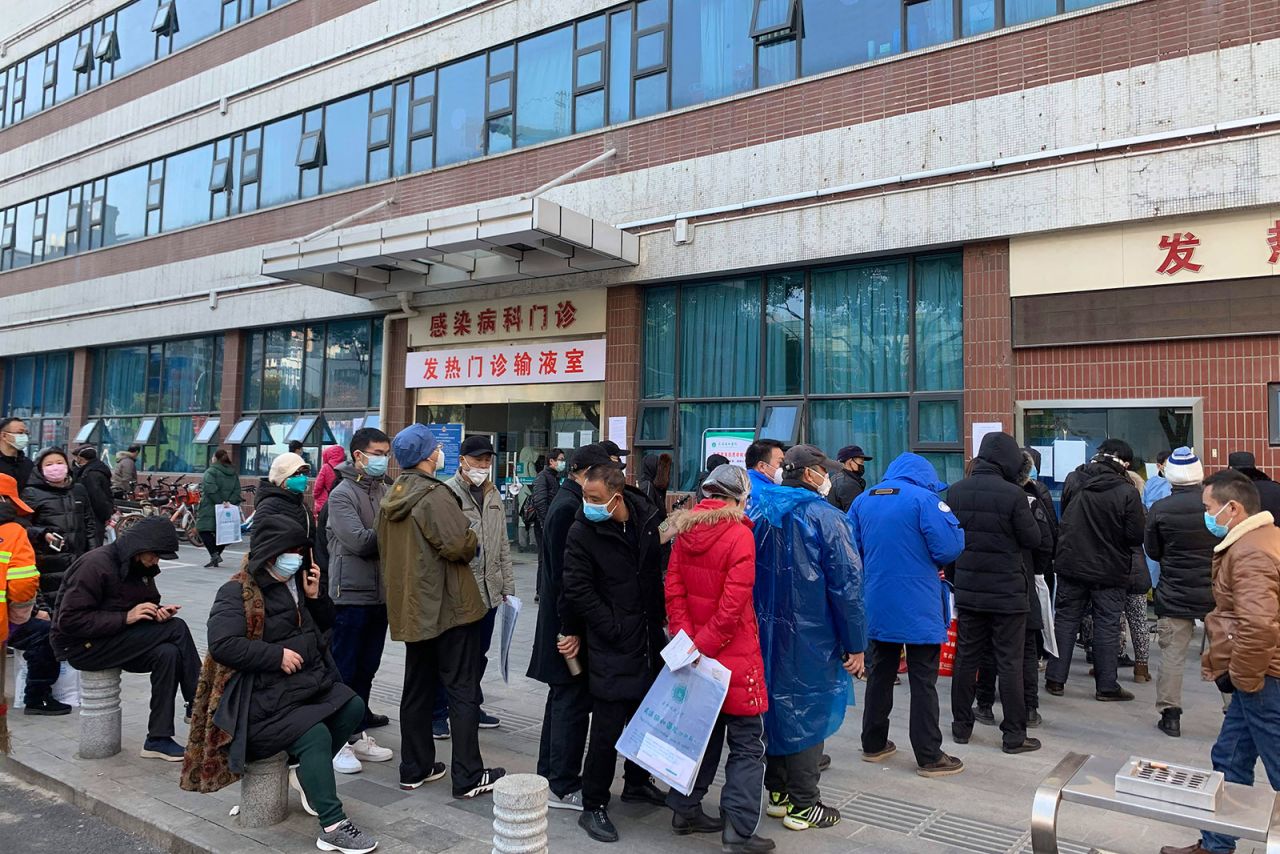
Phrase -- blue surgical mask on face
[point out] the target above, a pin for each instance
(1211, 522)
(288, 564)
(1035, 472)
(297, 483)
(375, 466)
(596, 512)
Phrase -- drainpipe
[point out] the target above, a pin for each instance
(406, 311)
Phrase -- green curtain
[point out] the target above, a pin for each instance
(859, 329)
(879, 425)
(939, 324)
(696, 417)
(720, 339)
(660, 342)
(784, 334)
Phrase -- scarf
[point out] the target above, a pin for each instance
(208, 764)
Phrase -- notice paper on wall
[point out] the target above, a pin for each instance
(564, 440)
(1046, 459)
(584, 437)
(980, 431)
(618, 430)
(1068, 455)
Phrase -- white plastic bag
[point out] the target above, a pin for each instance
(228, 521)
(65, 690)
(1046, 617)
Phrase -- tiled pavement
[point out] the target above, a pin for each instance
(887, 808)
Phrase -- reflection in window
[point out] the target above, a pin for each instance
(134, 37)
(784, 333)
(717, 318)
(619, 67)
(878, 425)
(978, 16)
(693, 419)
(460, 111)
(930, 22)
(38, 389)
(543, 106)
(282, 370)
(279, 178)
(860, 319)
(346, 138)
(847, 32)
(660, 342)
(348, 361)
(197, 21)
(126, 212)
(939, 422)
(1021, 11)
(186, 188)
(712, 51)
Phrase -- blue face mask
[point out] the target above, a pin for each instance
(375, 466)
(297, 483)
(287, 565)
(596, 512)
(1035, 473)
(1215, 527)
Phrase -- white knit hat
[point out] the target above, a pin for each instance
(1183, 468)
(285, 466)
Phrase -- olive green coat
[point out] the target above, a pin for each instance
(220, 485)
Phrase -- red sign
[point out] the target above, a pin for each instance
(550, 362)
(1179, 248)
(1273, 240)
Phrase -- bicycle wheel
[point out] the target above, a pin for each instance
(126, 522)
(193, 536)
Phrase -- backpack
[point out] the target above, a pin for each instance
(528, 513)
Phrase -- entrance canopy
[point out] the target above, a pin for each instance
(492, 242)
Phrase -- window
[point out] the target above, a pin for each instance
(344, 145)
(1021, 11)
(278, 181)
(649, 57)
(133, 34)
(84, 59)
(655, 425)
(460, 106)
(619, 97)
(126, 206)
(38, 390)
(379, 134)
(784, 333)
(712, 54)
(107, 48)
(589, 74)
(930, 22)
(499, 100)
(847, 32)
(546, 69)
(310, 150)
(165, 21)
(781, 420)
(774, 19)
(1273, 413)
(860, 327)
(186, 188)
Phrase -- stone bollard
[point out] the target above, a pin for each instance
(264, 792)
(99, 713)
(520, 814)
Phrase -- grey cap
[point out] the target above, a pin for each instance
(800, 457)
(728, 481)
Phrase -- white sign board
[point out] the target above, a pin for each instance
(618, 430)
(728, 442)
(507, 364)
(1068, 455)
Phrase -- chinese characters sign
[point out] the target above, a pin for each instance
(546, 315)
(513, 364)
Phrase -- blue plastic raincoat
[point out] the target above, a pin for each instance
(905, 533)
(1157, 487)
(809, 603)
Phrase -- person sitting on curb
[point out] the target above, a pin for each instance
(269, 625)
(110, 616)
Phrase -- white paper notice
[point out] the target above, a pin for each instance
(1046, 459)
(981, 429)
(564, 440)
(679, 652)
(584, 437)
(1152, 470)
(618, 430)
(1068, 455)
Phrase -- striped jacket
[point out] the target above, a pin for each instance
(18, 566)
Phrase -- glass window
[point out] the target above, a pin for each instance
(720, 318)
(660, 342)
(651, 95)
(939, 356)
(65, 85)
(460, 106)
(252, 393)
(313, 368)
(694, 418)
(930, 22)
(120, 381)
(1021, 11)
(939, 422)
(781, 421)
(348, 360)
(784, 334)
(187, 385)
(400, 143)
(545, 76)
(776, 62)
(879, 425)
(650, 13)
(375, 365)
(346, 138)
(126, 213)
(282, 369)
(653, 425)
(134, 38)
(847, 32)
(589, 111)
(279, 171)
(1073, 5)
(55, 241)
(25, 234)
(977, 16)
(35, 76)
(949, 466)
(197, 19)
(619, 67)
(712, 50)
(186, 188)
(859, 318)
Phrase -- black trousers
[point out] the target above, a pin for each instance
(537, 536)
(795, 774)
(922, 674)
(742, 796)
(32, 638)
(1070, 601)
(165, 650)
(565, 722)
(484, 640)
(359, 635)
(210, 540)
(608, 720)
(986, 688)
(1005, 635)
(448, 660)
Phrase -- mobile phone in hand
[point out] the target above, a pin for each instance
(58, 542)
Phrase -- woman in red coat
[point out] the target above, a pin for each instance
(710, 581)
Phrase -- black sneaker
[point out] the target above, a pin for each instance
(984, 715)
(1028, 744)
(1119, 695)
(700, 823)
(1124, 661)
(644, 793)
(597, 825)
(47, 706)
(438, 770)
(440, 730)
(346, 838)
(485, 784)
(372, 721)
(1171, 723)
(1057, 689)
(162, 748)
(732, 842)
(488, 721)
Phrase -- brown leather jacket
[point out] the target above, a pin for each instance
(1244, 628)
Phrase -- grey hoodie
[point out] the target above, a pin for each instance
(355, 577)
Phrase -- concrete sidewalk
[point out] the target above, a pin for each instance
(886, 808)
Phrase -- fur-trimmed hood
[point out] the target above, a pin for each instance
(699, 526)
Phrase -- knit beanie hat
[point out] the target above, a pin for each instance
(1183, 468)
(284, 467)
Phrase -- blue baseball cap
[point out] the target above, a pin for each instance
(413, 444)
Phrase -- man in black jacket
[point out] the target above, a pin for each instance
(1102, 523)
(991, 586)
(13, 445)
(1268, 489)
(95, 476)
(850, 481)
(1177, 538)
(110, 616)
(545, 486)
(613, 586)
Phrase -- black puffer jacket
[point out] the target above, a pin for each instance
(282, 706)
(845, 487)
(65, 510)
(1102, 523)
(546, 664)
(1268, 490)
(545, 487)
(95, 477)
(613, 582)
(998, 526)
(1178, 540)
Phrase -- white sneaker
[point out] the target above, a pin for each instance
(297, 787)
(367, 750)
(345, 762)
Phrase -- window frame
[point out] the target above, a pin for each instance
(801, 423)
(317, 158)
(667, 440)
(913, 420)
(1273, 414)
(777, 32)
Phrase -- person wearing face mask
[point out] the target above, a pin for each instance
(1243, 655)
(850, 481)
(613, 586)
(813, 629)
(332, 457)
(545, 486)
(482, 505)
(435, 607)
(95, 476)
(13, 446)
(355, 582)
(764, 465)
(282, 491)
(219, 486)
(62, 525)
(110, 615)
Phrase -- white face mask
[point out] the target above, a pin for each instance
(439, 458)
(825, 487)
(777, 475)
(477, 476)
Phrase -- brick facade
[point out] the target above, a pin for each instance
(988, 353)
(401, 403)
(624, 316)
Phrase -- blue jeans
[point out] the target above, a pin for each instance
(1250, 731)
(32, 637)
(485, 629)
(359, 634)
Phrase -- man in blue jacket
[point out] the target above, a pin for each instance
(812, 629)
(906, 534)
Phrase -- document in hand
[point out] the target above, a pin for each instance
(509, 610)
(227, 518)
(668, 734)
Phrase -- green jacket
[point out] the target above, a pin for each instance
(426, 548)
(220, 485)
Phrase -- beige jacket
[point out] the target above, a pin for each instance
(492, 566)
(1244, 627)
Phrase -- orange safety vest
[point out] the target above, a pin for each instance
(18, 566)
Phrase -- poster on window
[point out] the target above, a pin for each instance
(511, 364)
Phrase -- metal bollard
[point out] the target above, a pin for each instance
(264, 792)
(99, 713)
(520, 814)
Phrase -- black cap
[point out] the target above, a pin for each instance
(476, 446)
(852, 452)
(595, 454)
(613, 449)
(806, 456)
(1241, 460)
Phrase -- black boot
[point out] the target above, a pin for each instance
(47, 706)
(733, 842)
(682, 825)
(1171, 722)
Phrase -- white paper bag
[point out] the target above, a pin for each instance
(1046, 617)
(228, 520)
